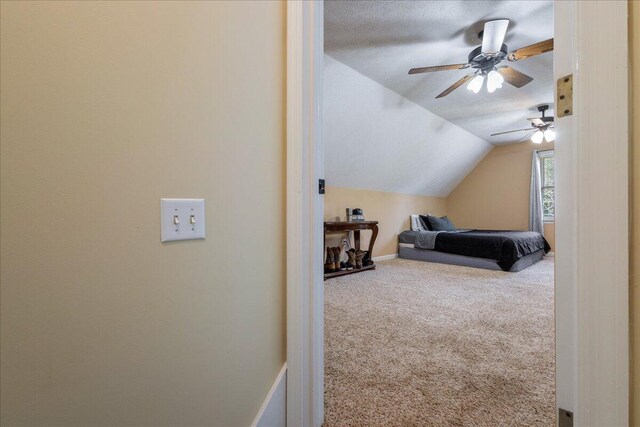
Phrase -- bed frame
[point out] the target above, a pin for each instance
(467, 261)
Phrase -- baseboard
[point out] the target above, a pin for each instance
(384, 257)
(551, 254)
(273, 412)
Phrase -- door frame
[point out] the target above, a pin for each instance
(305, 212)
(592, 264)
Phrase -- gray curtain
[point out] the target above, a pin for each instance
(535, 198)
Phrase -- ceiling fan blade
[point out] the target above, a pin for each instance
(536, 121)
(456, 85)
(531, 50)
(493, 36)
(510, 131)
(438, 68)
(527, 136)
(515, 77)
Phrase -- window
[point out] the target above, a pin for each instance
(547, 172)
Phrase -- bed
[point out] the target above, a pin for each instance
(490, 249)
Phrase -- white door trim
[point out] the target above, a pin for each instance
(592, 260)
(592, 310)
(305, 209)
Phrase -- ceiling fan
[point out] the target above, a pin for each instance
(485, 60)
(541, 127)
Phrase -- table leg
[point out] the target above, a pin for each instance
(324, 243)
(374, 230)
(356, 238)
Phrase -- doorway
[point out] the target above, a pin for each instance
(426, 334)
(589, 318)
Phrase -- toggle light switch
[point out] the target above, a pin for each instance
(175, 213)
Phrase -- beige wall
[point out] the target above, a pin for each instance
(106, 108)
(495, 195)
(635, 219)
(392, 210)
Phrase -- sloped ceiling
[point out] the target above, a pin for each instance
(384, 39)
(376, 139)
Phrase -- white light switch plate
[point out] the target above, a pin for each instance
(182, 219)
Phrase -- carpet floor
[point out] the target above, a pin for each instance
(423, 344)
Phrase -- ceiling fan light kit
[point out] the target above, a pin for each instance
(542, 128)
(494, 81)
(536, 138)
(476, 84)
(548, 135)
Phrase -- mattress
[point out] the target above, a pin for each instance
(407, 251)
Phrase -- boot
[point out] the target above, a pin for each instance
(329, 265)
(336, 256)
(367, 259)
(359, 257)
(351, 253)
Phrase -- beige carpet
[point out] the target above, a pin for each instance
(422, 344)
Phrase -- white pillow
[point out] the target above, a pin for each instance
(416, 223)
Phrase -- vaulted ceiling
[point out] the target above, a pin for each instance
(384, 39)
(378, 140)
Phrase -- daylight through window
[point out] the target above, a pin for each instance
(547, 166)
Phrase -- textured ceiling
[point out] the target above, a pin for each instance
(384, 39)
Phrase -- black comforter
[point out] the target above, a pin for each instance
(507, 247)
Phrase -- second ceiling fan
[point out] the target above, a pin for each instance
(541, 128)
(486, 58)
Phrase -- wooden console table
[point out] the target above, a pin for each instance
(355, 226)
